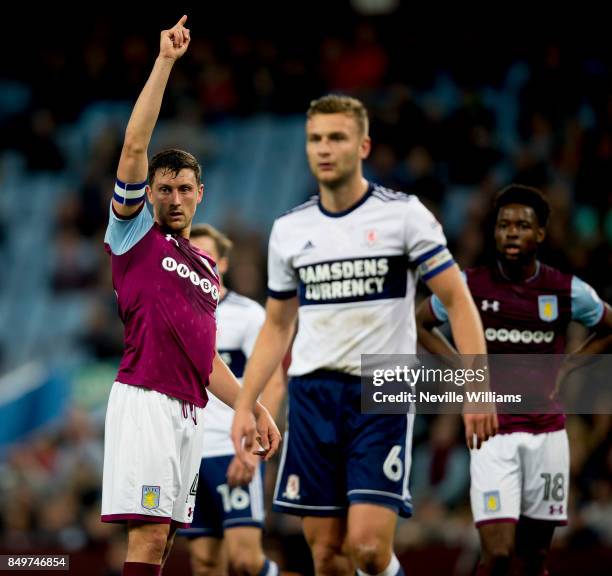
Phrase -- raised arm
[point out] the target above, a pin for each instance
(133, 164)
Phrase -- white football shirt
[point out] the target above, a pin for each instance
(355, 275)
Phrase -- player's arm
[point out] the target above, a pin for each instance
(268, 353)
(468, 336)
(239, 474)
(427, 331)
(599, 341)
(274, 392)
(592, 312)
(463, 316)
(223, 384)
(133, 164)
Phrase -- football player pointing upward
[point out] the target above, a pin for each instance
(167, 292)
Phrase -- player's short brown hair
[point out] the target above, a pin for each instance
(222, 243)
(174, 161)
(339, 104)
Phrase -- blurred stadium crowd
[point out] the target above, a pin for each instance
(452, 121)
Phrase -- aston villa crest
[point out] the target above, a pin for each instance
(492, 501)
(150, 497)
(548, 308)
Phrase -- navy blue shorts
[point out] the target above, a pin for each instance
(219, 506)
(334, 456)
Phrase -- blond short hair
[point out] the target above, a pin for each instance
(339, 104)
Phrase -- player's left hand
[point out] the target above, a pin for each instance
(174, 42)
(239, 474)
(479, 428)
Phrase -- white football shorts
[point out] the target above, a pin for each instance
(520, 474)
(152, 452)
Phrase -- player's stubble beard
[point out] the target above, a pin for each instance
(340, 181)
(175, 227)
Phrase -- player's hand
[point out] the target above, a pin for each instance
(238, 474)
(174, 42)
(268, 436)
(562, 374)
(554, 395)
(244, 430)
(481, 426)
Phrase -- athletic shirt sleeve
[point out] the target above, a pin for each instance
(282, 281)
(587, 307)
(425, 241)
(122, 234)
(256, 318)
(438, 309)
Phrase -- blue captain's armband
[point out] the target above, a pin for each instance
(129, 194)
(433, 262)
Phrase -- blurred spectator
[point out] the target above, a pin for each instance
(76, 262)
(40, 149)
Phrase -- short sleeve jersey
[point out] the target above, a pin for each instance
(528, 317)
(355, 275)
(167, 294)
